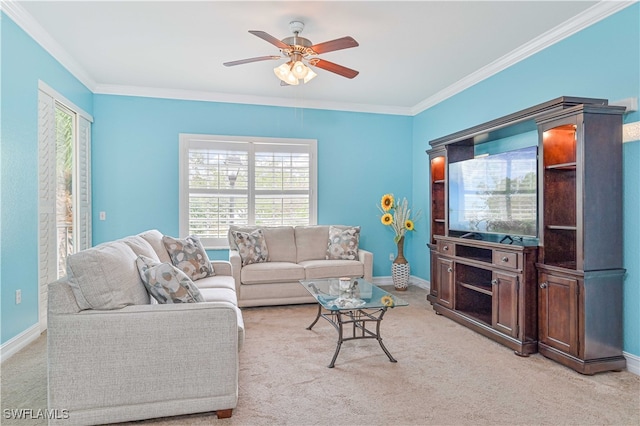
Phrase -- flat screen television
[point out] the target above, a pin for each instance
(495, 194)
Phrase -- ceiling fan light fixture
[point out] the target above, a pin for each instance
(301, 54)
(310, 75)
(283, 72)
(300, 70)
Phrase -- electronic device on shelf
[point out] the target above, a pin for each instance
(495, 194)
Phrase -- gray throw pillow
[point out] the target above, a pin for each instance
(166, 283)
(343, 243)
(252, 246)
(189, 256)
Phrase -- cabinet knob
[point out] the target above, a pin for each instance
(445, 248)
(494, 282)
(505, 259)
(449, 269)
(543, 285)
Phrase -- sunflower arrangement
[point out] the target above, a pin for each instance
(397, 216)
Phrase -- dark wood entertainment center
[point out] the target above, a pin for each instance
(560, 293)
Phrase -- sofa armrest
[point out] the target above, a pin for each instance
(236, 267)
(366, 257)
(127, 356)
(222, 267)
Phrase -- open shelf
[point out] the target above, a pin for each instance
(438, 191)
(478, 254)
(559, 145)
(561, 227)
(481, 288)
(483, 317)
(562, 166)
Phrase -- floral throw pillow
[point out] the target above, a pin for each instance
(166, 283)
(252, 246)
(189, 256)
(343, 243)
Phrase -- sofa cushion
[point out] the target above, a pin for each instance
(219, 295)
(189, 256)
(217, 281)
(343, 243)
(141, 247)
(105, 277)
(154, 238)
(271, 272)
(311, 242)
(166, 283)
(252, 246)
(281, 241)
(315, 269)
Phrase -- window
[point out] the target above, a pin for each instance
(64, 203)
(227, 180)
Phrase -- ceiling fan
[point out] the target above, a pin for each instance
(301, 53)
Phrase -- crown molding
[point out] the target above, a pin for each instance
(23, 19)
(590, 16)
(595, 13)
(194, 95)
(631, 132)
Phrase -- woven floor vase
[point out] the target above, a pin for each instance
(400, 269)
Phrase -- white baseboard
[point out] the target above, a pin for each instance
(633, 363)
(413, 280)
(13, 346)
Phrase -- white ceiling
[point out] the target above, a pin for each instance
(411, 54)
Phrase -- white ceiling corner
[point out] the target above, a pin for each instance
(171, 49)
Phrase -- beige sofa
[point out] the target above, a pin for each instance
(295, 253)
(134, 359)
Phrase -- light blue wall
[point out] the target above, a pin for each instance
(24, 63)
(135, 162)
(602, 61)
(361, 156)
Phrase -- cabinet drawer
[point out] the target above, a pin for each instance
(446, 247)
(505, 258)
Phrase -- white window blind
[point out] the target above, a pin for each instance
(52, 248)
(244, 181)
(47, 223)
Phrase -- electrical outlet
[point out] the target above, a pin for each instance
(391, 257)
(18, 297)
(103, 215)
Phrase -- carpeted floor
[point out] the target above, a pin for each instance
(445, 374)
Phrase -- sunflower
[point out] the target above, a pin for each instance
(387, 300)
(387, 202)
(408, 224)
(387, 219)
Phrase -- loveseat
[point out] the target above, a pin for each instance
(115, 355)
(292, 254)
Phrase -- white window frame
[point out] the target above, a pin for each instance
(189, 140)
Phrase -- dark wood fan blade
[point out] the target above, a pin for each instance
(271, 39)
(246, 61)
(335, 68)
(337, 44)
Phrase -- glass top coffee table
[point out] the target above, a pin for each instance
(354, 307)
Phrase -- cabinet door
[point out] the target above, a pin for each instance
(434, 285)
(505, 303)
(445, 282)
(558, 313)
